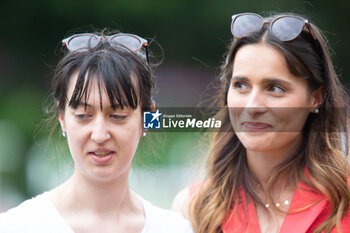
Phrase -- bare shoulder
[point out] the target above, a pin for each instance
(181, 202)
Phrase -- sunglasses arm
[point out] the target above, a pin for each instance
(310, 30)
(147, 53)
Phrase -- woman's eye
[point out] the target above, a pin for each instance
(118, 117)
(240, 86)
(82, 116)
(277, 89)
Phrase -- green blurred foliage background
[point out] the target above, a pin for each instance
(193, 36)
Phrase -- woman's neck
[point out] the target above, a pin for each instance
(102, 198)
(262, 164)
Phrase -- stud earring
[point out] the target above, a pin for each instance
(316, 110)
(144, 134)
(63, 133)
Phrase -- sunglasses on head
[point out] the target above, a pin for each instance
(284, 27)
(86, 41)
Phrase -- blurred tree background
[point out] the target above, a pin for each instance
(193, 36)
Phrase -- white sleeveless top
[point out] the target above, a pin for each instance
(39, 215)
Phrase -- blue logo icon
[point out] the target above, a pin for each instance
(151, 120)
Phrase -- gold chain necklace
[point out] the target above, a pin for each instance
(278, 204)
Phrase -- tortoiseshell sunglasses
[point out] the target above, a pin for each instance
(86, 41)
(284, 27)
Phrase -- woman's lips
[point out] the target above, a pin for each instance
(101, 157)
(256, 126)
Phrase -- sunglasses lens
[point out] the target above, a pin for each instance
(245, 24)
(82, 43)
(129, 41)
(287, 28)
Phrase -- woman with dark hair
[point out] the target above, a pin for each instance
(101, 87)
(279, 162)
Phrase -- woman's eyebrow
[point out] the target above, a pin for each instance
(239, 78)
(264, 81)
(83, 104)
(277, 81)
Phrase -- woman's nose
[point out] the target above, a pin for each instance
(100, 132)
(256, 102)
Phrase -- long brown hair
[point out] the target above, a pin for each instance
(326, 163)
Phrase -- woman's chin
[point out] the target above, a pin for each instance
(258, 142)
(104, 174)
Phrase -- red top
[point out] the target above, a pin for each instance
(303, 221)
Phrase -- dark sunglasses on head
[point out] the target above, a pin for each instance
(86, 41)
(284, 27)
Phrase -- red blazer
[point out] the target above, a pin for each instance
(306, 220)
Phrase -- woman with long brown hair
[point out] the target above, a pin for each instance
(278, 164)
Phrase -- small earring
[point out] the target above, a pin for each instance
(144, 134)
(63, 133)
(316, 110)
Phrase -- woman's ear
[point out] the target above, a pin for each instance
(61, 120)
(317, 97)
(144, 131)
(153, 106)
